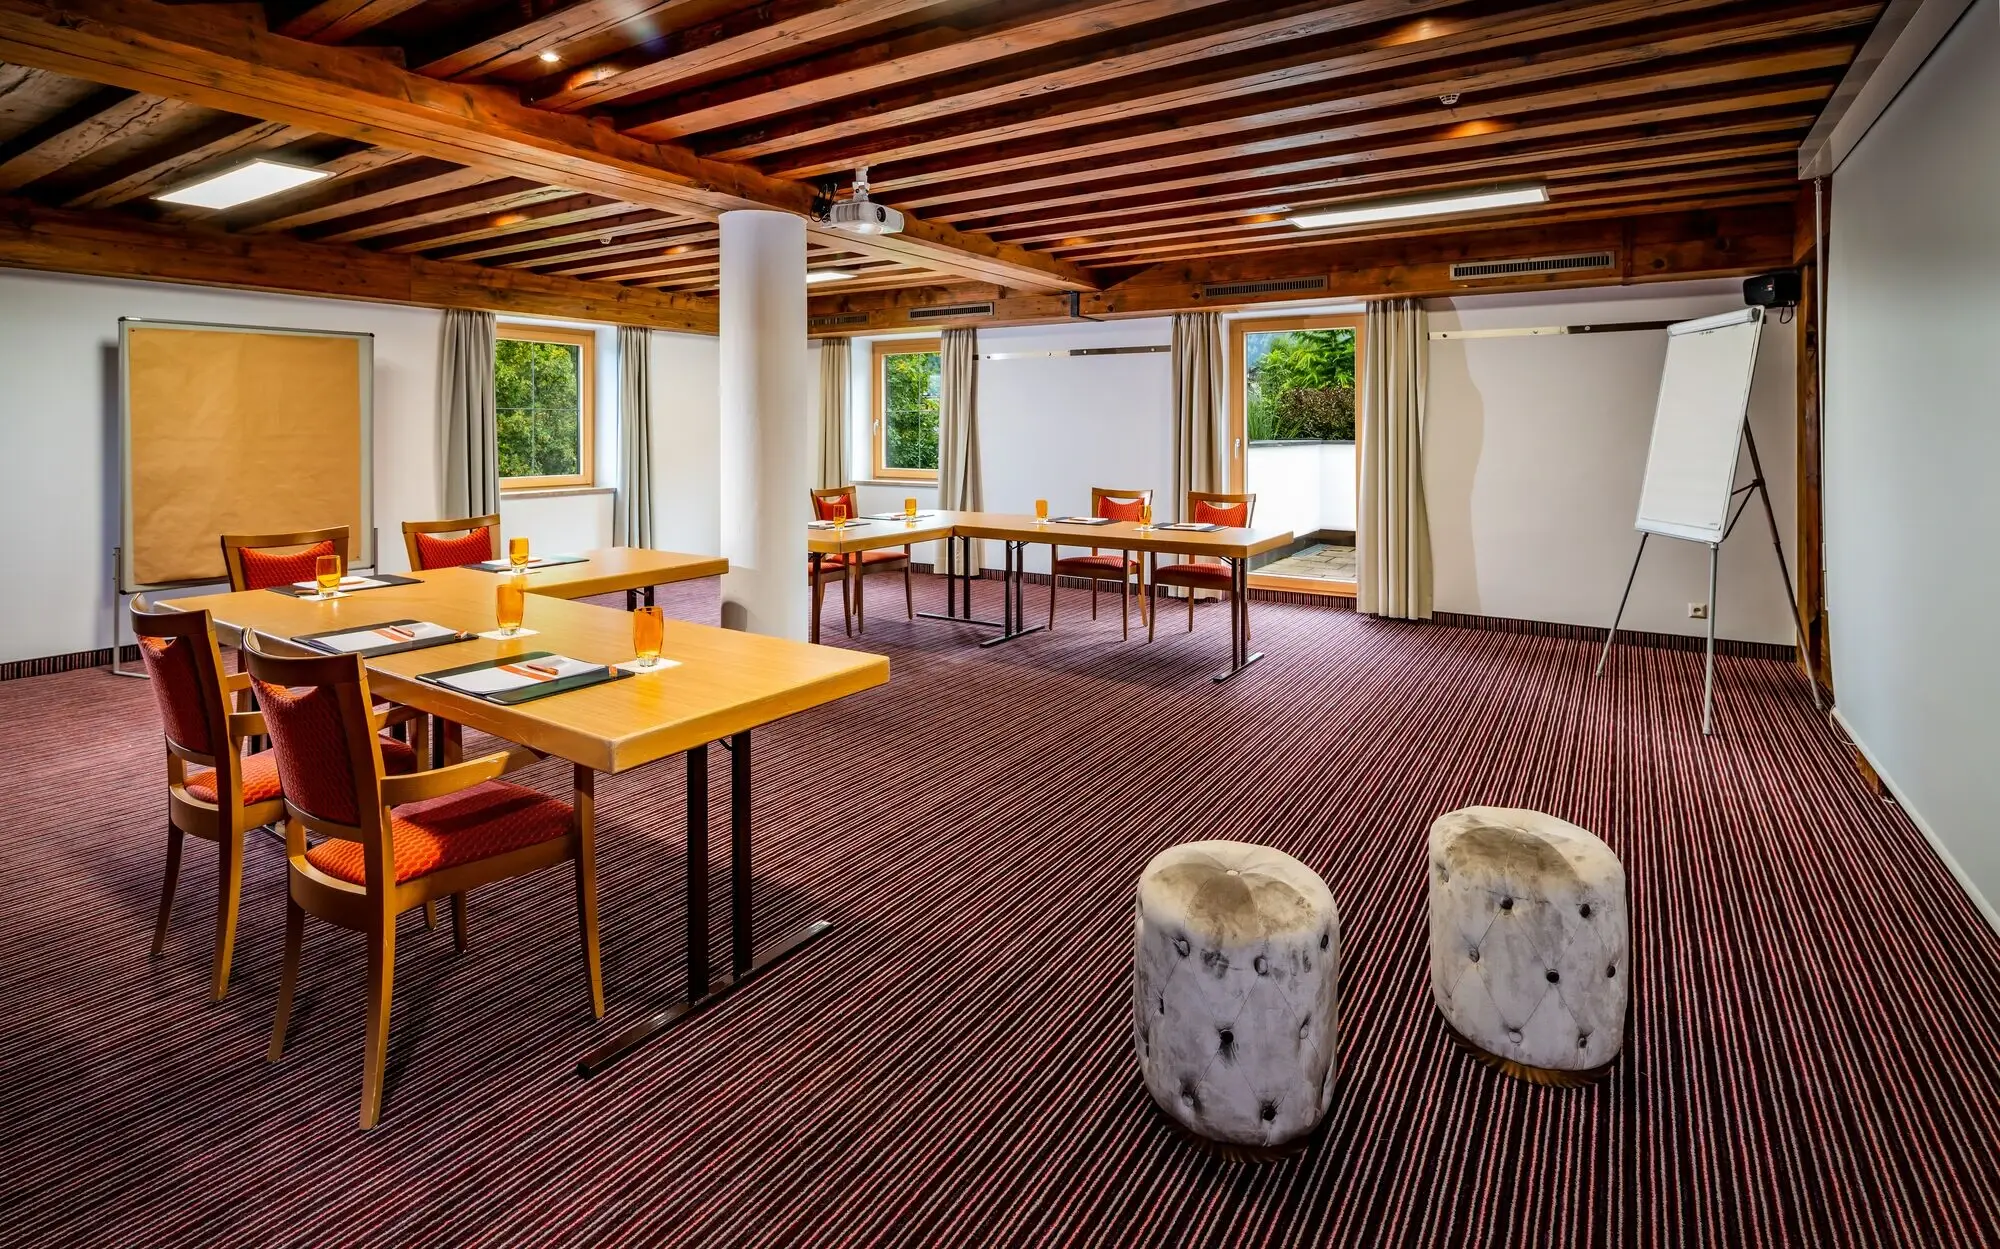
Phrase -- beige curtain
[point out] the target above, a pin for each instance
(832, 413)
(958, 428)
(1394, 575)
(1201, 413)
(632, 515)
(468, 433)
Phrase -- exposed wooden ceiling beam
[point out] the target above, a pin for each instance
(497, 195)
(561, 238)
(105, 118)
(158, 168)
(499, 41)
(585, 260)
(336, 21)
(565, 210)
(1653, 247)
(219, 60)
(944, 46)
(760, 33)
(111, 245)
(353, 194)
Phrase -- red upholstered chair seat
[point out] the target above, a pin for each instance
(1098, 566)
(478, 823)
(260, 774)
(1205, 573)
(867, 557)
(472, 548)
(262, 571)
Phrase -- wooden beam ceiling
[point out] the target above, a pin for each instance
(106, 245)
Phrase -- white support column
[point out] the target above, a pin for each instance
(766, 431)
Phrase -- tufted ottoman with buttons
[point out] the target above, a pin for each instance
(1236, 961)
(1528, 942)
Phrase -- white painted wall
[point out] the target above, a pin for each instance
(1534, 453)
(1912, 513)
(59, 480)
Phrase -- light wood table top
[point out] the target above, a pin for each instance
(1123, 535)
(880, 533)
(611, 569)
(726, 682)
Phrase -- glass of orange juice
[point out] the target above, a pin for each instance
(517, 552)
(1145, 516)
(649, 629)
(910, 508)
(1041, 511)
(511, 603)
(326, 571)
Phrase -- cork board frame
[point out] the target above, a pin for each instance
(239, 429)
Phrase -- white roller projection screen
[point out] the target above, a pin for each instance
(1698, 426)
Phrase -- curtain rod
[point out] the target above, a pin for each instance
(1542, 331)
(1073, 351)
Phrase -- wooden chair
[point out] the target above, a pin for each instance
(227, 793)
(838, 501)
(1231, 511)
(478, 541)
(252, 566)
(1095, 567)
(396, 842)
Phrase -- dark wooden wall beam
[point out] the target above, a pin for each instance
(114, 246)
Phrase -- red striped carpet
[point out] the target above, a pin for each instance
(1813, 1057)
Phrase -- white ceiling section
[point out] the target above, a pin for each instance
(1903, 39)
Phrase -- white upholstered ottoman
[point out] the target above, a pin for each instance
(1529, 942)
(1236, 960)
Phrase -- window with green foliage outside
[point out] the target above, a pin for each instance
(910, 389)
(1299, 385)
(541, 401)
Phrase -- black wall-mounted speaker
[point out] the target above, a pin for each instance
(1773, 290)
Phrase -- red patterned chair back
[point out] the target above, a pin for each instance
(1231, 511)
(1118, 504)
(180, 654)
(477, 540)
(317, 712)
(835, 503)
(258, 561)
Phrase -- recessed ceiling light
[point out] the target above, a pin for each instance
(241, 185)
(551, 57)
(815, 276)
(1361, 213)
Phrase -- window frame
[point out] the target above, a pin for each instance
(881, 350)
(586, 405)
(1240, 328)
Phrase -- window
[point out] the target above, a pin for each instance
(1298, 380)
(909, 391)
(543, 379)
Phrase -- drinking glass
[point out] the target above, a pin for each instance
(1041, 511)
(511, 603)
(909, 509)
(1145, 516)
(649, 628)
(517, 552)
(326, 571)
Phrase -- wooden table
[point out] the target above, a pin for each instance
(1235, 547)
(727, 683)
(635, 570)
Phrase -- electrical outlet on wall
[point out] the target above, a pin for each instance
(1697, 611)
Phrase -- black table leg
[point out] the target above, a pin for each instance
(649, 597)
(1240, 656)
(817, 592)
(700, 990)
(1013, 610)
(952, 576)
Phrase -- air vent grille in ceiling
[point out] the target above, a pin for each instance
(1473, 269)
(836, 320)
(1277, 286)
(948, 312)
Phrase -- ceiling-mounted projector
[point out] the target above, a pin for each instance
(861, 215)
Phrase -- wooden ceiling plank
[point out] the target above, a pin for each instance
(221, 61)
(1241, 29)
(337, 21)
(1409, 177)
(158, 168)
(493, 195)
(343, 196)
(1257, 193)
(503, 41)
(1502, 86)
(765, 32)
(583, 258)
(1725, 105)
(105, 118)
(559, 237)
(567, 210)
(943, 47)
(1612, 99)
(30, 96)
(118, 246)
